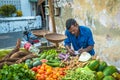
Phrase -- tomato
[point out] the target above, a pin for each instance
(41, 71)
(54, 76)
(61, 69)
(34, 69)
(61, 72)
(58, 74)
(48, 67)
(56, 69)
(42, 68)
(37, 76)
(42, 77)
(39, 66)
(47, 79)
(51, 79)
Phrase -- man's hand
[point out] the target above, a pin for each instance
(81, 50)
(85, 49)
(71, 51)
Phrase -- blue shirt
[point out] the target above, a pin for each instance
(84, 40)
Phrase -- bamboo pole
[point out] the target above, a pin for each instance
(51, 11)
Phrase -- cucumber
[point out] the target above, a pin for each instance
(43, 56)
(35, 59)
(57, 64)
(53, 61)
(48, 57)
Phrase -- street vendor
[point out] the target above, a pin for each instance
(80, 36)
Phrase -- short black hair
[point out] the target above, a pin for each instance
(70, 22)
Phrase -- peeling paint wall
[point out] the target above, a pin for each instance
(92, 13)
(103, 17)
(14, 24)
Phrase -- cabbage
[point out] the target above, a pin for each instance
(85, 56)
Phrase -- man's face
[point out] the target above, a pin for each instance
(73, 29)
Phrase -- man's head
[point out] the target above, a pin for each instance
(72, 26)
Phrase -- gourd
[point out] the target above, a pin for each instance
(102, 66)
(108, 78)
(36, 63)
(93, 65)
(109, 70)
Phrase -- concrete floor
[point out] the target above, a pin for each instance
(8, 40)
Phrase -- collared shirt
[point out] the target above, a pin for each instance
(84, 39)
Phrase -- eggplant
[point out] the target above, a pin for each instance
(63, 56)
(66, 57)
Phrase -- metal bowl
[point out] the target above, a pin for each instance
(55, 37)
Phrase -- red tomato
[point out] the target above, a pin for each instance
(39, 66)
(34, 69)
(42, 76)
(41, 71)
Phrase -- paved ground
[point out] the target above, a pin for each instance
(8, 40)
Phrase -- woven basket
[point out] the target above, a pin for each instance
(54, 37)
(40, 33)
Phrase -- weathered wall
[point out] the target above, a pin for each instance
(14, 24)
(103, 17)
(92, 13)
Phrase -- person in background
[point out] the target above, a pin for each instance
(80, 37)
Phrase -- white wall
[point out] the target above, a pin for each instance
(25, 7)
(33, 9)
(15, 24)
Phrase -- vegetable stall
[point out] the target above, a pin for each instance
(52, 64)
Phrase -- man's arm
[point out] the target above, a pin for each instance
(89, 48)
(67, 44)
(90, 43)
(69, 49)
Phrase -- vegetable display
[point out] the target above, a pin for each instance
(46, 72)
(63, 56)
(16, 72)
(16, 55)
(79, 74)
(109, 70)
(51, 65)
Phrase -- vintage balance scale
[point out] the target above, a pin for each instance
(51, 36)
